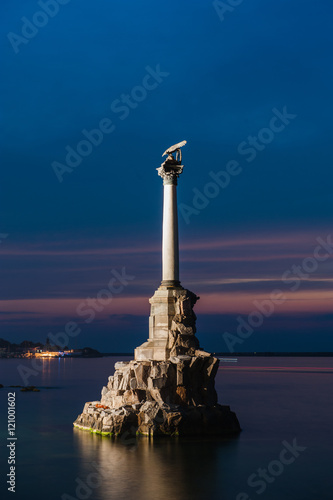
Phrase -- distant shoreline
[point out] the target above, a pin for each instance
(276, 354)
(247, 354)
(216, 354)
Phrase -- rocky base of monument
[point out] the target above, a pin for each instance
(174, 397)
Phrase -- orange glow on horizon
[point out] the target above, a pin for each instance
(318, 301)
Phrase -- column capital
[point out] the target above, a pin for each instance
(170, 172)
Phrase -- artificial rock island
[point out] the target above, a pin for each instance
(169, 387)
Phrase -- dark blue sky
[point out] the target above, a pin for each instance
(190, 75)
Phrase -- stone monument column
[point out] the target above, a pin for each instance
(170, 245)
(163, 303)
(168, 389)
(172, 319)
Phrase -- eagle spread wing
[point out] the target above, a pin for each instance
(174, 148)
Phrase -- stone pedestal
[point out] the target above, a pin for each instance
(171, 314)
(174, 397)
(162, 311)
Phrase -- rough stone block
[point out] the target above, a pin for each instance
(159, 383)
(121, 365)
(133, 383)
(118, 401)
(141, 372)
(202, 353)
(182, 397)
(130, 398)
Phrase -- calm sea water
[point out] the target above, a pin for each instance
(277, 401)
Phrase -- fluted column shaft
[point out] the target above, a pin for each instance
(170, 244)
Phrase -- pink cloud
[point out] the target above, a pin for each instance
(68, 307)
(309, 301)
(320, 301)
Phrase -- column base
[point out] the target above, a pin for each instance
(171, 324)
(171, 283)
(152, 350)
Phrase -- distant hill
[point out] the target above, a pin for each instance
(88, 352)
(275, 354)
(26, 344)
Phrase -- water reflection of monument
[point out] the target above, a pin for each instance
(169, 386)
(164, 470)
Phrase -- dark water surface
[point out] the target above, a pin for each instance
(277, 400)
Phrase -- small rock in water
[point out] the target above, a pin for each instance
(30, 388)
